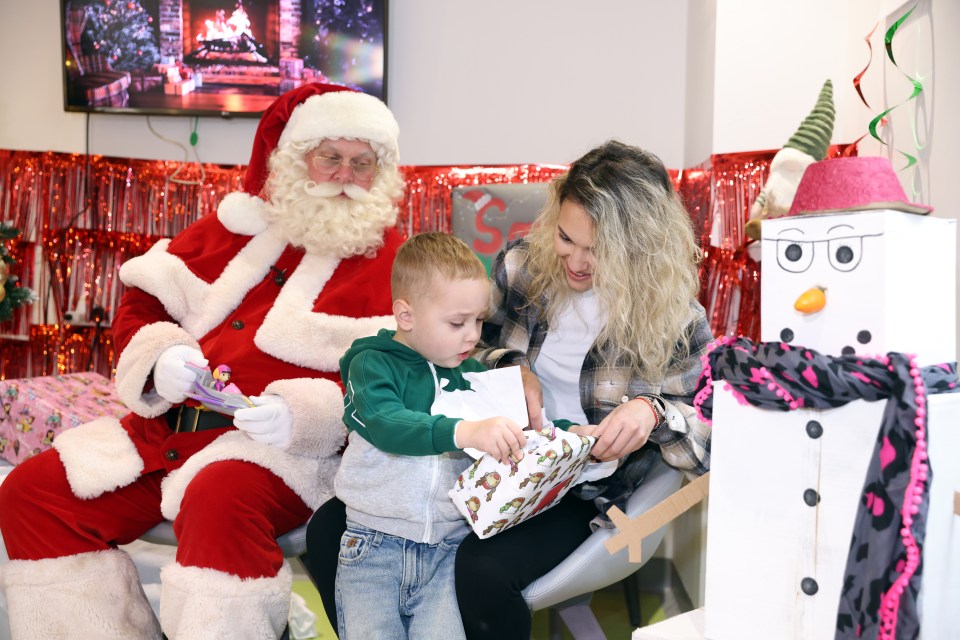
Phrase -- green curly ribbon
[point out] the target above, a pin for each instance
(917, 87)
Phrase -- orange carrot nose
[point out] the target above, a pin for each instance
(812, 300)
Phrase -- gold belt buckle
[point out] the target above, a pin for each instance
(196, 418)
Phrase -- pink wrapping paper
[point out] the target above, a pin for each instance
(35, 410)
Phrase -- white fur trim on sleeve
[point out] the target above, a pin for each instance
(317, 408)
(98, 457)
(242, 213)
(136, 363)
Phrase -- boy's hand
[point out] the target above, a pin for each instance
(498, 436)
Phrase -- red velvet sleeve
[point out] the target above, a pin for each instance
(136, 310)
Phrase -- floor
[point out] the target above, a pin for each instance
(609, 606)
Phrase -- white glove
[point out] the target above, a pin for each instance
(171, 378)
(269, 422)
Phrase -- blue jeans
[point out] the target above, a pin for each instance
(391, 588)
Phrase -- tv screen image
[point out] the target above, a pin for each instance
(216, 57)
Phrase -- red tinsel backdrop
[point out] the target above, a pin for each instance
(86, 215)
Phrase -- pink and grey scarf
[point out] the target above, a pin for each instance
(884, 565)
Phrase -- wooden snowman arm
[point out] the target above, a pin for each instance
(634, 530)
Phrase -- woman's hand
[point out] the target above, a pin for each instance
(534, 395)
(624, 430)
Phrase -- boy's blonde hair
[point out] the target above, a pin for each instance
(426, 255)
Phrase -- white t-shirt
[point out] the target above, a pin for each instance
(558, 365)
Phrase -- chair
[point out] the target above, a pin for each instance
(92, 82)
(568, 587)
(487, 216)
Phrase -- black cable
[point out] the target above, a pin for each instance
(98, 315)
(87, 178)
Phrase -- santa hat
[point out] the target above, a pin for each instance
(316, 111)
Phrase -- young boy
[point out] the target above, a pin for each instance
(395, 570)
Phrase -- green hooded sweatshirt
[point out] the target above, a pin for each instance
(401, 461)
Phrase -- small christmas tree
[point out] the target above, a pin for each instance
(123, 32)
(12, 295)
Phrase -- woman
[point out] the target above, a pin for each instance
(598, 306)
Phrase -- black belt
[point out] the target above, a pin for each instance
(186, 419)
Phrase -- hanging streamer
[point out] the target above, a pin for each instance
(917, 87)
(852, 148)
(84, 237)
(856, 80)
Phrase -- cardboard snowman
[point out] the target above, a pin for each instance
(834, 469)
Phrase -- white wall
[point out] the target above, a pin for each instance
(700, 82)
(494, 82)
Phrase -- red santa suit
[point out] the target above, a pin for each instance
(215, 287)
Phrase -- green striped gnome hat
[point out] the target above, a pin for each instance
(808, 145)
(813, 136)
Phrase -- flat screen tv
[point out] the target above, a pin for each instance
(216, 57)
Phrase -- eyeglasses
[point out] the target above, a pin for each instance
(363, 169)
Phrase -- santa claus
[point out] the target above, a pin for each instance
(276, 286)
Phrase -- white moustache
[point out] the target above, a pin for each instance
(334, 189)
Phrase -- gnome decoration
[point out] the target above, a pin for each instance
(808, 145)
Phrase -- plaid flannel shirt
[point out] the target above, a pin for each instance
(514, 333)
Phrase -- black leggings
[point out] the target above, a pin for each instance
(324, 531)
(490, 574)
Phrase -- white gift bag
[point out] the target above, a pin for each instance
(497, 392)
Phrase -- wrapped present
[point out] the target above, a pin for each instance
(145, 82)
(288, 84)
(493, 496)
(180, 88)
(291, 68)
(35, 410)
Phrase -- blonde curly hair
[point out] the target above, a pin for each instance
(646, 256)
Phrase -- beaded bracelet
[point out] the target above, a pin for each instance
(657, 416)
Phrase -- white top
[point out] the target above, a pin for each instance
(558, 365)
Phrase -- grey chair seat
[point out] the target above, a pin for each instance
(293, 543)
(568, 586)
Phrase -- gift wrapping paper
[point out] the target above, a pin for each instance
(35, 410)
(493, 496)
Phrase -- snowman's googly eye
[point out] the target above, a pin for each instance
(845, 253)
(794, 255)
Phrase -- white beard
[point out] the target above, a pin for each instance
(316, 217)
